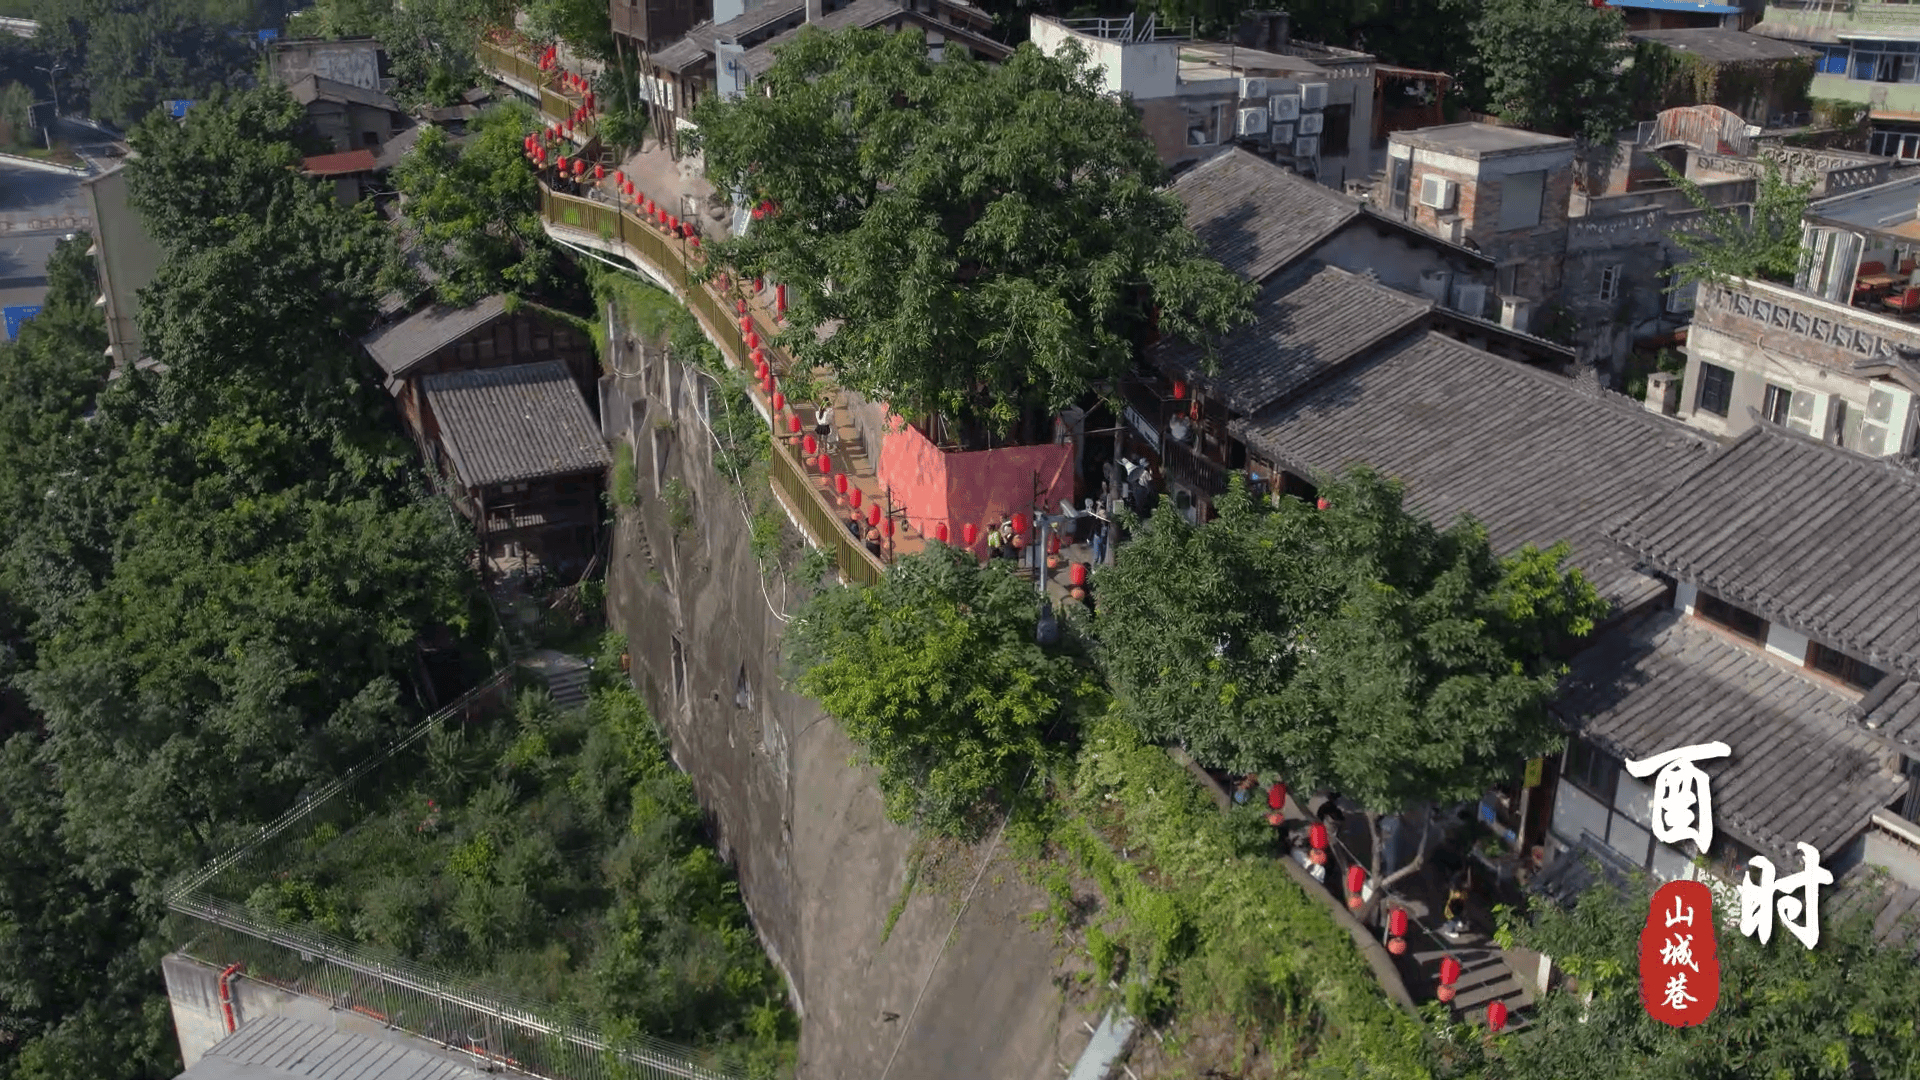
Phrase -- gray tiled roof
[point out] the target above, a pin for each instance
(1892, 710)
(1255, 216)
(507, 424)
(1717, 45)
(698, 42)
(1821, 539)
(1307, 322)
(1532, 455)
(864, 14)
(318, 88)
(398, 347)
(286, 1048)
(1895, 908)
(1800, 771)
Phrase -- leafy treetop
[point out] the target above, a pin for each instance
(984, 238)
(1554, 65)
(1761, 240)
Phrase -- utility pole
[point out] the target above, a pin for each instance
(53, 81)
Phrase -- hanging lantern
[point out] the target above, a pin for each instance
(1317, 840)
(854, 497)
(759, 212)
(969, 534)
(1020, 524)
(1356, 881)
(1078, 575)
(1449, 974)
(1053, 544)
(793, 425)
(1179, 390)
(840, 483)
(579, 167)
(1497, 1017)
(759, 283)
(620, 178)
(753, 339)
(759, 356)
(739, 307)
(873, 514)
(811, 445)
(779, 402)
(940, 532)
(673, 221)
(886, 528)
(695, 241)
(746, 325)
(599, 172)
(647, 206)
(825, 463)
(1321, 503)
(562, 163)
(1277, 796)
(590, 101)
(780, 299)
(1397, 931)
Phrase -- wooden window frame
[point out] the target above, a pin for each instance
(1730, 617)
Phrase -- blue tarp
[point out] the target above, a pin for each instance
(178, 109)
(17, 315)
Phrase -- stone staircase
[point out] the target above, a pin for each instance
(565, 676)
(1485, 978)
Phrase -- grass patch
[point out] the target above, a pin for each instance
(625, 482)
(560, 857)
(906, 893)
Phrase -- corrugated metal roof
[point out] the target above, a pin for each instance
(318, 88)
(398, 347)
(1254, 216)
(284, 1048)
(1306, 323)
(507, 424)
(1800, 770)
(1535, 457)
(1818, 538)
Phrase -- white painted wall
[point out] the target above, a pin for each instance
(1787, 644)
(1684, 596)
(1146, 69)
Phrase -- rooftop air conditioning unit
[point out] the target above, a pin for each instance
(1252, 122)
(1282, 134)
(1885, 429)
(1470, 298)
(1436, 285)
(1284, 107)
(1253, 89)
(1313, 96)
(1311, 123)
(1437, 192)
(1308, 148)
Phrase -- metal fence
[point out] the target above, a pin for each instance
(850, 555)
(556, 105)
(218, 928)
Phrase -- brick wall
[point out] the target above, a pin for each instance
(1540, 249)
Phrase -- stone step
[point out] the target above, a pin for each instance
(569, 688)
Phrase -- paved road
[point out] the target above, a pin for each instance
(38, 207)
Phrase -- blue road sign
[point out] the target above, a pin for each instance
(269, 35)
(17, 315)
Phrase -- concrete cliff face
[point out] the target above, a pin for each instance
(945, 996)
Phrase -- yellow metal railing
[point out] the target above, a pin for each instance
(676, 259)
(557, 104)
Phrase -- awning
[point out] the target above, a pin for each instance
(1410, 73)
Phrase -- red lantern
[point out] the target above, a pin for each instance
(1497, 1016)
(812, 447)
(620, 178)
(562, 163)
(746, 325)
(793, 425)
(739, 307)
(759, 212)
(1020, 525)
(695, 241)
(1053, 544)
(1356, 880)
(648, 207)
(1078, 575)
(1277, 796)
(1397, 946)
(826, 464)
(854, 497)
(1179, 390)
(873, 514)
(673, 222)
(590, 101)
(759, 283)
(1276, 819)
(940, 532)
(780, 299)
(1317, 837)
(579, 167)
(1444, 993)
(1321, 504)
(753, 339)
(779, 402)
(1449, 971)
(886, 527)
(1397, 923)
(969, 534)
(759, 357)
(599, 172)
(840, 483)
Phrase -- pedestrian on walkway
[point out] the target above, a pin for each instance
(993, 541)
(1099, 543)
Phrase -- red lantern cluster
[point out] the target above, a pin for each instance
(1356, 882)
(780, 299)
(1179, 390)
(1317, 841)
(825, 464)
(549, 58)
(1449, 974)
(779, 402)
(1397, 931)
(809, 444)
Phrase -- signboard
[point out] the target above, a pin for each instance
(17, 315)
(1145, 429)
(269, 35)
(1534, 770)
(178, 108)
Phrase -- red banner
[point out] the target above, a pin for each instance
(1679, 956)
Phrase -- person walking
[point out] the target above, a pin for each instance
(993, 541)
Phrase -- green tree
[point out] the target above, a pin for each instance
(1554, 66)
(1358, 648)
(125, 58)
(430, 43)
(995, 237)
(16, 113)
(475, 210)
(1759, 240)
(1842, 1010)
(935, 675)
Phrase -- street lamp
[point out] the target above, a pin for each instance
(54, 82)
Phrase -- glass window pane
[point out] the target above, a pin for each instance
(1669, 864)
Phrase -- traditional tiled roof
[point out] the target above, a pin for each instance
(1535, 457)
(507, 424)
(1306, 323)
(698, 43)
(398, 347)
(1892, 710)
(1820, 539)
(1254, 216)
(317, 88)
(1894, 908)
(1799, 771)
(866, 14)
(341, 164)
(394, 149)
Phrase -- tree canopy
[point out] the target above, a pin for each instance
(1554, 65)
(125, 58)
(1358, 647)
(984, 238)
(430, 43)
(935, 674)
(1757, 241)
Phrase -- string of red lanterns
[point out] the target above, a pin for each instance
(1497, 1017)
(1397, 931)
(1277, 804)
(1356, 884)
(1449, 974)
(1317, 841)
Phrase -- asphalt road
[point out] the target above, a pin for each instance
(37, 208)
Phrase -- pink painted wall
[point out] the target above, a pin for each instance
(972, 488)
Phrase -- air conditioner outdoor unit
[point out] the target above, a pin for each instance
(1252, 122)
(1282, 134)
(1885, 428)
(1253, 89)
(1514, 312)
(1283, 107)
(1436, 285)
(1313, 96)
(1437, 192)
(1311, 123)
(1470, 298)
(1307, 148)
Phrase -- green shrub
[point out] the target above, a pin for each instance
(625, 480)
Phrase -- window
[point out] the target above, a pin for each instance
(1716, 390)
(1520, 198)
(1887, 61)
(1833, 60)
(1778, 404)
(1910, 802)
(1610, 283)
(1401, 183)
(1833, 662)
(1680, 298)
(1592, 768)
(1739, 620)
(369, 138)
(1335, 132)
